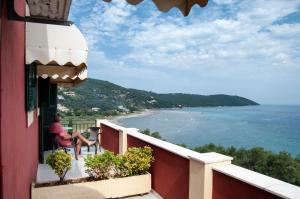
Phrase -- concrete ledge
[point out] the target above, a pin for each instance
(111, 125)
(202, 165)
(111, 188)
(210, 158)
(269, 184)
(206, 158)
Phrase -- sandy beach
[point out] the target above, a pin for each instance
(136, 114)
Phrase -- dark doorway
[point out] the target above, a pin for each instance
(48, 108)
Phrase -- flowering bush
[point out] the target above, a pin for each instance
(121, 169)
(135, 161)
(138, 160)
(60, 162)
(101, 166)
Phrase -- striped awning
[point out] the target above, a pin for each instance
(63, 75)
(49, 9)
(60, 52)
(165, 5)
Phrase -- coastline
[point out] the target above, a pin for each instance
(142, 113)
(222, 125)
(146, 112)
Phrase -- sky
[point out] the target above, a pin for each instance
(246, 48)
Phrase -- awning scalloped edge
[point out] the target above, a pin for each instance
(62, 74)
(57, 76)
(60, 52)
(63, 45)
(56, 57)
(67, 82)
(184, 6)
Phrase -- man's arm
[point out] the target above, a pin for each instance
(65, 136)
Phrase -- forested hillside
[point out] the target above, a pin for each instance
(108, 97)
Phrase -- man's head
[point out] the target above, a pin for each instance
(57, 117)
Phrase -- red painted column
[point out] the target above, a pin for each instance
(226, 187)
(110, 138)
(1, 182)
(19, 143)
(170, 172)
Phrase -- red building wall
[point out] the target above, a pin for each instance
(110, 138)
(170, 172)
(225, 187)
(0, 107)
(19, 144)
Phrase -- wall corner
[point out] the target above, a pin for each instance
(122, 142)
(201, 178)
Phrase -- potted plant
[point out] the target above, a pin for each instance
(110, 176)
(136, 161)
(60, 162)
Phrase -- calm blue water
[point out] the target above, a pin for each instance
(275, 128)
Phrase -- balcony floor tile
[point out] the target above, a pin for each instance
(150, 195)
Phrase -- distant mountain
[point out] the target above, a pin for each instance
(108, 96)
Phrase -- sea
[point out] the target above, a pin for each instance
(273, 127)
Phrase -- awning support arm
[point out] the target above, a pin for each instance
(13, 15)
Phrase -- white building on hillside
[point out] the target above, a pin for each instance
(60, 97)
(62, 108)
(70, 93)
(95, 109)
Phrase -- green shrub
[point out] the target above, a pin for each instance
(135, 161)
(101, 166)
(121, 169)
(152, 134)
(138, 160)
(277, 165)
(60, 162)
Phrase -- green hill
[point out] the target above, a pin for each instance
(111, 97)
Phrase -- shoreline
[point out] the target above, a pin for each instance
(146, 112)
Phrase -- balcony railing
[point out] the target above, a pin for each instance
(180, 173)
(78, 125)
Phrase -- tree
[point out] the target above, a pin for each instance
(281, 166)
(146, 132)
(156, 135)
(152, 134)
(60, 162)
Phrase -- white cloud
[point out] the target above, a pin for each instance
(233, 40)
(170, 44)
(224, 2)
(261, 13)
(102, 20)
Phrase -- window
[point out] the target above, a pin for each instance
(30, 87)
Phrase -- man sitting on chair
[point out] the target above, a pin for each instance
(64, 139)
